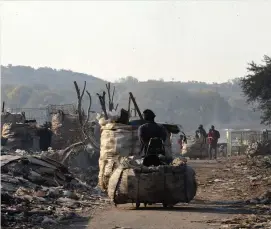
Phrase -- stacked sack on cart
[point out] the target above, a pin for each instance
(126, 180)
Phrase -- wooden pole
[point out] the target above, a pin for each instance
(3, 106)
(129, 106)
(136, 106)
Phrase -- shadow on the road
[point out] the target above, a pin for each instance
(211, 207)
(223, 202)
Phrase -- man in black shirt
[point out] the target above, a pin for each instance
(150, 130)
(213, 137)
(201, 131)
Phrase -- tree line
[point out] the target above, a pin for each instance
(185, 103)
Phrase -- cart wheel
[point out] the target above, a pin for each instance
(164, 205)
(137, 205)
(145, 204)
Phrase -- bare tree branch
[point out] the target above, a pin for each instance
(108, 87)
(102, 102)
(87, 137)
(79, 98)
(111, 96)
(89, 107)
(83, 92)
(112, 100)
(135, 105)
(129, 106)
(66, 152)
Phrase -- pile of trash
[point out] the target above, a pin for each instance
(36, 190)
(82, 162)
(259, 148)
(33, 169)
(240, 178)
(259, 162)
(195, 148)
(253, 221)
(245, 182)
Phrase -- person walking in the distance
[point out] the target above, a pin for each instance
(201, 137)
(213, 137)
(182, 140)
(201, 133)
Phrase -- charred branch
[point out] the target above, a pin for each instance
(135, 105)
(111, 105)
(79, 101)
(89, 108)
(88, 137)
(102, 102)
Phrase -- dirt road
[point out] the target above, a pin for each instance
(192, 216)
(213, 203)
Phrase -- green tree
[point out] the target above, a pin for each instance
(257, 88)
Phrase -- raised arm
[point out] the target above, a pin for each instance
(163, 133)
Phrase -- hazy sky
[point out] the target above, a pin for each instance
(195, 40)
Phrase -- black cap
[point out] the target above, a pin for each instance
(148, 114)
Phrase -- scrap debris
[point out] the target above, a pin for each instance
(37, 191)
(259, 148)
(240, 178)
(246, 181)
(252, 221)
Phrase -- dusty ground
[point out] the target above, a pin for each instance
(221, 202)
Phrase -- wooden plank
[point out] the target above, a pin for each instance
(136, 106)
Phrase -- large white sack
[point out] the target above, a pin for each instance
(195, 148)
(163, 184)
(119, 141)
(122, 140)
(106, 168)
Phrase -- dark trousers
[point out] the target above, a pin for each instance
(210, 152)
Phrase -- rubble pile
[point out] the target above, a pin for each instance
(82, 162)
(246, 181)
(38, 191)
(252, 221)
(17, 152)
(84, 165)
(39, 170)
(259, 148)
(239, 178)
